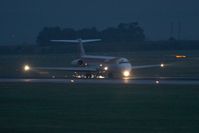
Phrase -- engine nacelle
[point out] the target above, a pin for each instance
(78, 62)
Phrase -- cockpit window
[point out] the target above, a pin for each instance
(122, 61)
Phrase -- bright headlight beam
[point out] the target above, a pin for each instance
(161, 65)
(26, 68)
(106, 68)
(157, 81)
(126, 73)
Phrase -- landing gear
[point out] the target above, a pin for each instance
(88, 75)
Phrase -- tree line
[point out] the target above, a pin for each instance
(103, 47)
(124, 32)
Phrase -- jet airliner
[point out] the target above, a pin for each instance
(91, 66)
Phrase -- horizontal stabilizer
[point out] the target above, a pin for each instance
(77, 41)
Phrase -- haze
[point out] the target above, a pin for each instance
(21, 20)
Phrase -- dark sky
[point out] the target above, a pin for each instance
(21, 20)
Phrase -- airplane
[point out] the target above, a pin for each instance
(91, 66)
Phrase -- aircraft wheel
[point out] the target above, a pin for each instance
(88, 75)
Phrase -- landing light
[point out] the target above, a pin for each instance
(126, 73)
(26, 68)
(157, 81)
(106, 68)
(161, 65)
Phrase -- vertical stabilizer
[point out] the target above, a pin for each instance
(82, 51)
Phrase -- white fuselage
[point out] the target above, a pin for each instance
(115, 66)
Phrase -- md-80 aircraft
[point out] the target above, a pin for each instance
(90, 66)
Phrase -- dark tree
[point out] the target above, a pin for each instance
(47, 34)
(124, 32)
(69, 33)
(88, 33)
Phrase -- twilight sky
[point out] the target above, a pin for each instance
(21, 20)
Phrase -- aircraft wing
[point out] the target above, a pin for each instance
(75, 69)
(148, 66)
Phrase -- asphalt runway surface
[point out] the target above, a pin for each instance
(152, 80)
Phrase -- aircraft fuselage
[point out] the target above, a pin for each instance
(113, 66)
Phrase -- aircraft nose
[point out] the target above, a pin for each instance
(126, 66)
(126, 69)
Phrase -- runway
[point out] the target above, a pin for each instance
(160, 80)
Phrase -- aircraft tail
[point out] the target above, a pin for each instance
(80, 42)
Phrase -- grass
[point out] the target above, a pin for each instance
(100, 108)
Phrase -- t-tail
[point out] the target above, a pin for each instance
(80, 42)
